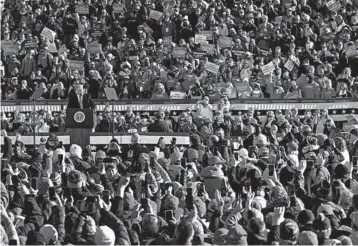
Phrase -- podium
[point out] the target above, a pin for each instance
(80, 124)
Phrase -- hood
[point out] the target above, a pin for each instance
(211, 172)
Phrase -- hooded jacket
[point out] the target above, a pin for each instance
(34, 216)
(214, 179)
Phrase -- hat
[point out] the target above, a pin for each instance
(215, 160)
(341, 171)
(56, 179)
(104, 236)
(52, 142)
(100, 154)
(324, 189)
(243, 153)
(49, 233)
(192, 154)
(74, 179)
(43, 140)
(289, 230)
(264, 152)
(236, 235)
(171, 203)
(325, 209)
(35, 238)
(305, 217)
(307, 238)
(321, 223)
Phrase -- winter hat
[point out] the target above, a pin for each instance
(176, 155)
(325, 209)
(56, 179)
(305, 217)
(171, 203)
(35, 238)
(321, 223)
(104, 236)
(261, 201)
(243, 153)
(192, 154)
(289, 230)
(74, 179)
(307, 238)
(76, 151)
(341, 171)
(49, 233)
(87, 151)
(100, 154)
(52, 142)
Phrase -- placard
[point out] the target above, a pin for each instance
(208, 48)
(62, 49)
(82, 9)
(333, 5)
(52, 47)
(6, 43)
(278, 19)
(77, 65)
(95, 47)
(167, 41)
(212, 67)
(207, 34)
(179, 52)
(96, 33)
(48, 33)
(31, 44)
(200, 38)
(133, 58)
(242, 87)
(155, 15)
(199, 54)
(231, 92)
(289, 65)
(225, 42)
(268, 68)
(11, 50)
(118, 8)
(147, 28)
(177, 95)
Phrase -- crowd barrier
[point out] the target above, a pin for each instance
(336, 106)
(103, 139)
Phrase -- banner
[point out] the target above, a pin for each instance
(118, 8)
(94, 47)
(82, 9)
(200, 39)
(77, 65)
(133, 58)
(225, 42)
(31, 44)
(199, 54)
(48, 33)
(179, 52)
(212, 67)
(147, 28)
(155, 15)
(11, 50)
(268, 68)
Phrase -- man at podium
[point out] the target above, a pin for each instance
(78, 99)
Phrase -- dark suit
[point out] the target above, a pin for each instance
(159, 126)
(74, 103)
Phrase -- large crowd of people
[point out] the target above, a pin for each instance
(289, 179)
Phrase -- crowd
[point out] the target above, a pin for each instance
(180, 49)
(281, 184)
(287, 180)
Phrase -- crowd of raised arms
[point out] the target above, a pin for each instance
(291, 178)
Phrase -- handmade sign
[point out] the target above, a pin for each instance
(95, 47)
(147, 28)
(62, 49)
(199, 54)
(11, 50)
(268, 68)
(179, 52)
(48, 33)
(212, 67)
(133, 58)
(200, 38)
(155, 15)
(333, 5)
(31, 44)
(82, 9)
(77, 65)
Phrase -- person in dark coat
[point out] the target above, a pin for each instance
(78, 99)
(159, 125)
